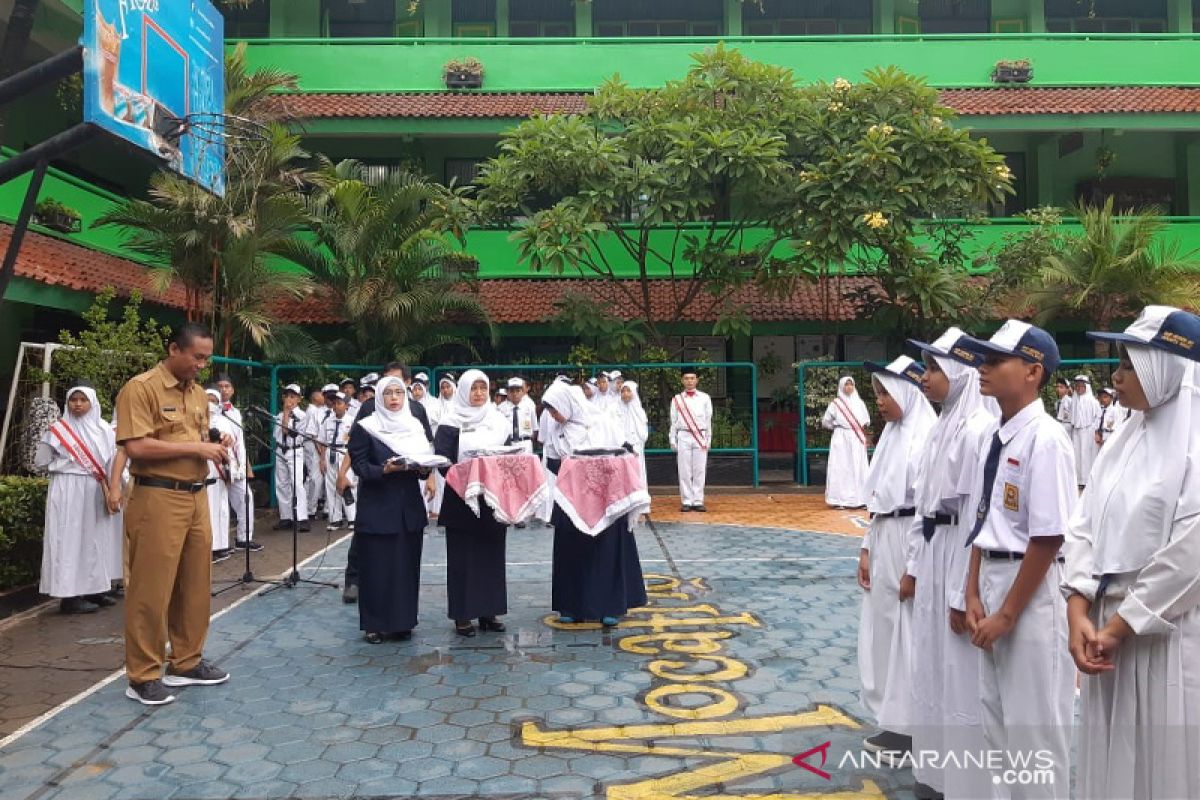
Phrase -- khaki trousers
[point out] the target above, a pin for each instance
(170, 574)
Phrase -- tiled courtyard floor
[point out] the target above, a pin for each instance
(743, 659)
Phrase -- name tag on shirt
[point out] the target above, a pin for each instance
(1012, 497)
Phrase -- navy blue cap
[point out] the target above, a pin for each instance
(903, 367)
(948, 345)
(1161, 327)
(1021, 340)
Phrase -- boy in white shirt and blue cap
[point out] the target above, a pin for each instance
(1015, 611)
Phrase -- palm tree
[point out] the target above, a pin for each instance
(380, 246)
(220, 248)
(1118, 265)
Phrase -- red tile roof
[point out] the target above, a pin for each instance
(57, 262)
(997, 101)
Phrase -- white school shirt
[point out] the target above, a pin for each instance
(1035, 492)
(700, 404)
(341, 427)
(526, 417)
(297, 424)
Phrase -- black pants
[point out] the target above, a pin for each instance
(352, 561)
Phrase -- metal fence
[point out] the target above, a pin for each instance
(812, 441)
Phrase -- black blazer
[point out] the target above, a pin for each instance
(454, 512)
(387, 504)
(418, 411)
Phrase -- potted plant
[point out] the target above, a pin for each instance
(1019, 71)
(57, 217)
(464, 73)
(463, 266)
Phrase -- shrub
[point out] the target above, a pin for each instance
(22, 518)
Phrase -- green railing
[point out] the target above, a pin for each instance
(804, 451)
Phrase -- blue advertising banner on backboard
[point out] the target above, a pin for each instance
(148, 65)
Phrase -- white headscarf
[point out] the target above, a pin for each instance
(1147, 475)
(479, 426)
(939, 479)
(855, 403)
(91, 428)
(1085, 408)
(583, 425)
(633, 417)
(403, 433)
(893, 465)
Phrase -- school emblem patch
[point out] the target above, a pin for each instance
(1012, 497)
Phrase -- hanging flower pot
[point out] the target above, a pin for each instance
(464, 73)
(57, 217)
(1020, 71)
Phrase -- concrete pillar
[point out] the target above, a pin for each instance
(1045, 167)
(583, 18)
(1037, 16)
(502, 18)
(733, 17)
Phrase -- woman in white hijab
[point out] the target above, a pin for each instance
(594, 577)
(475, 545)
(887, 558)
(634, 425)
(391, 517)
(1085, 416)
(82, 543)
(945, 672)
(1132, 576)
(848, 418)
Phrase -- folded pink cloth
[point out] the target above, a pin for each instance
(596, 492)
(513, 486)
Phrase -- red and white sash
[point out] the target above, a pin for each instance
(78, 451)
(689, 421)
(854, 426)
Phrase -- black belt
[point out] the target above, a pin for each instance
(928, 524)
(900, 512)
(1004, 555)
(177, 486)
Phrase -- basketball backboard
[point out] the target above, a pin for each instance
(149, 65)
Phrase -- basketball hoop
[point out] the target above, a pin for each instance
(232, 142)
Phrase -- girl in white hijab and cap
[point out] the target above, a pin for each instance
(848, 418)
(945, 676)
(1132, 576)
(887, 558)
(475, 545)
(83, 539)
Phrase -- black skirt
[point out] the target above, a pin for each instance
(595, 576)
(476, 584)
(389, 580)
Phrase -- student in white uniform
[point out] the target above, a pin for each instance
(1015, 612)
(633, 423)
(81, 546)
(314, 417)
(222, 478)
(1131, 574)
(335, 438)
(886, 559)
(690, 437)
(349, 387)
(521, 414)
(1085, 416)
(848, 418)
(241, 496)
(420, 393)
(1108, 415)
(447, 386)
(289, 461)
(1062, 406)
(945, 676)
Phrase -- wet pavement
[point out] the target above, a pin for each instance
(743, 659)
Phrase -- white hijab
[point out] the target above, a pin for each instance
(403, 433)
(855, 403)
(479, 426)
(90, 428)
(633, 417)
(936, 478)
(584, 426)
(1085, 408)
(1147, 476)
(893, 466)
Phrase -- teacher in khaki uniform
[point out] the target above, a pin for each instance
(162, 421)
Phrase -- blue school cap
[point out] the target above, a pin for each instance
(949, 345)
(903, 367)
(1017, 339)
(1161, 327)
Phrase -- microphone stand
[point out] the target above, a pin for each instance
(248, 575)
(293, 578)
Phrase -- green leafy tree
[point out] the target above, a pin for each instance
(1119, 263)
(111, 348)
(381, 247)
(708, 179)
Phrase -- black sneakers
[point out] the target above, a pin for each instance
(203, 674)
(252, 546)
(150, 693)
(893, 744)
(77, 605)
(221, 555)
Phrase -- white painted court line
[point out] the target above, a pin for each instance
(88, 692)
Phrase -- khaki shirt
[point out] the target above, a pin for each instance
(156, 405)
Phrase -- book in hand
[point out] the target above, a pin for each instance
(500, 450)
(420, 462)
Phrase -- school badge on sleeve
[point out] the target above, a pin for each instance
(1012, 497)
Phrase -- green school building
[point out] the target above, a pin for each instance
(1112, 108)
